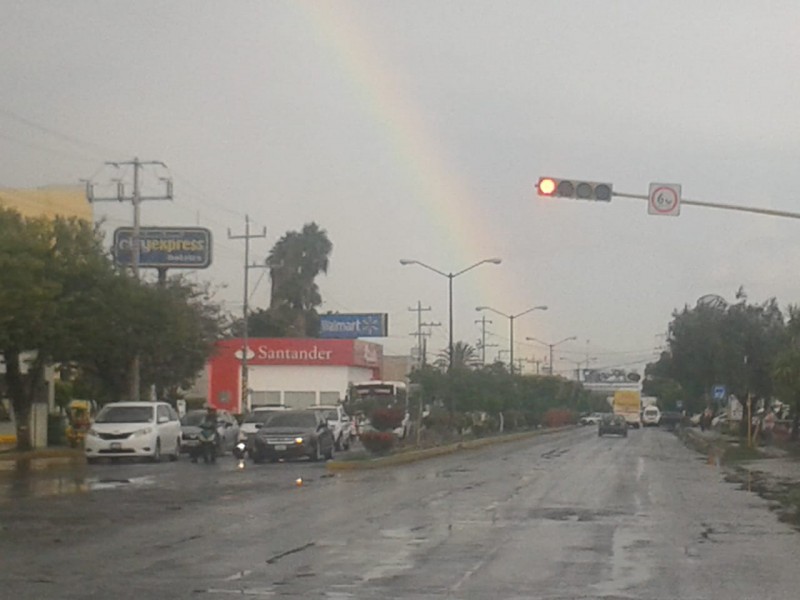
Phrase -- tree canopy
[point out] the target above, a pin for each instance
(732, 344)
(295, 262)
(62, 300)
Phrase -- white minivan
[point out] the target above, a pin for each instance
(135, 429)
(651, 416)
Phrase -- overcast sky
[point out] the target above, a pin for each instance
(417, 129)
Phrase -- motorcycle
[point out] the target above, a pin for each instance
(239, 452)
(206, 445)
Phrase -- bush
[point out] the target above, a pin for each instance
(386, 419)
(377, 442)
(558, 417)
(488, 426)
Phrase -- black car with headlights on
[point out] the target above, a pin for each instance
(293, 434)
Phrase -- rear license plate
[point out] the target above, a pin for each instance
(280, 447)
(116, 446)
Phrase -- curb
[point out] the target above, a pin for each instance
(418, 455)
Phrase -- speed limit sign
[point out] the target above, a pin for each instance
(664, 199)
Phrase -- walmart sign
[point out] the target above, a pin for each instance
(351, 326)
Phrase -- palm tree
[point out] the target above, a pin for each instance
(465, 356)
(294, 263)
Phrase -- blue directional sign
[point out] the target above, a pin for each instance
(719, 392)
(351, 326)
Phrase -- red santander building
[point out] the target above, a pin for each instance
(295, 372)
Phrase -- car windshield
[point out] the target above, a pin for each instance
(125, 414)
(305, 420)
(193, 418)
(259, 416)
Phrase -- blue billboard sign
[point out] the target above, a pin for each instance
(351, 326)
(165, 247)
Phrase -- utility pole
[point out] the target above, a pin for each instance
(136, 200)
(425, 336)
(419, 310)
(245, 399)
(483, 321)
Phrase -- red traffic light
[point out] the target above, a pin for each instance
(546, 186)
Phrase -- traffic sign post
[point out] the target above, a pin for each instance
(664, 199)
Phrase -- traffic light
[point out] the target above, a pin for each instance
(570, 188)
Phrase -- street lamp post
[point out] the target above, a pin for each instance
(511, 326)
(551, 346)
(450, 276)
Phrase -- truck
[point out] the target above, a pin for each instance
(628, 404)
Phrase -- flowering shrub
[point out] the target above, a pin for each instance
(558, 417)
(377, 442)
(386, 419)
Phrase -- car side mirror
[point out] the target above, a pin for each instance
(259, 425)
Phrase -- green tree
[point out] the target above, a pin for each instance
(465, 356)
(49, 270)
(63, 302)
(734, 344)
(787, 368)
(294, 264)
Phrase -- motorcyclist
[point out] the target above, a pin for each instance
(208, 427)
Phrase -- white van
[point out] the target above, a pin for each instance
(651, 416)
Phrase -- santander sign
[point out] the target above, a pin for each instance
(313, 354)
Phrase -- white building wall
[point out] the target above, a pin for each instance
(296, 379)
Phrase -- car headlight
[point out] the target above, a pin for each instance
(140, 432)
(93, 432)
(299, 440)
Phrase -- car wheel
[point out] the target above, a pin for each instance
(256, 456)
(157, 452)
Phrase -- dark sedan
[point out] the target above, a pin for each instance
(613, 424)
(293, 434)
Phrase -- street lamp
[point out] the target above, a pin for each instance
(450, 276)
(511, 325)
(551, 346)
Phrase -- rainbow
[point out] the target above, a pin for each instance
(440, 192)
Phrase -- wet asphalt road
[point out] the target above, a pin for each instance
(566, 515)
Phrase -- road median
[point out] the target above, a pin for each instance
(410, 456)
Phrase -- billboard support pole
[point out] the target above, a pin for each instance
(136, 200)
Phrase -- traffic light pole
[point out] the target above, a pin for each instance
(720, 206)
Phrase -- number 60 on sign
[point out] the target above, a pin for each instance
(664, 199)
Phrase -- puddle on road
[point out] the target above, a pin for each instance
(37, 485)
